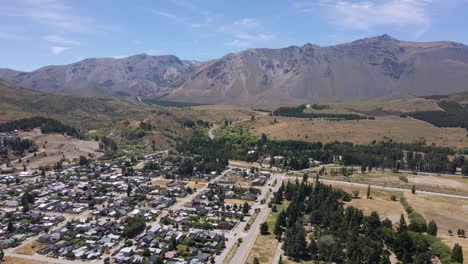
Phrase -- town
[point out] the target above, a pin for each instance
(131, 210)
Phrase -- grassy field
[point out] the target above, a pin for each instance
(440, 183)
(359, 131)
(448, 213)
(265, 246)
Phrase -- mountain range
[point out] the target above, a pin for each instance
(377, 67)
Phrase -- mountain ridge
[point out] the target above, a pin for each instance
(375, 67)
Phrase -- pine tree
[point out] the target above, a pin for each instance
(313, 249)
(457, 253)
(402, 226)
(246, 208)
(432, 228)
(413, 189)
(368, 191)
(295, 243)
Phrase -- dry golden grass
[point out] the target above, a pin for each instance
(160, 182)
(440, 183)
(13, 260)
(30, 248)
(359, 131)
(58, 147)
(216, 113)
(237, 201)
(448, 213)
(197, 185)
(397, 105)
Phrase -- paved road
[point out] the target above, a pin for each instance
(250, 236)
(390, 188)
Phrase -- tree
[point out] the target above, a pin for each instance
(84, 161)
(326, 245)
(422, 258)
(26, 200)
(246, 208)
(402, 226)
(264, 229)
(368, 191)
(280, 221)
(465, 169)
(129, 190)
(255, 261)
(457, 253)
(413, 189)
(295, 244)
(432, 228)
(313, 249)
(10, 227)
(450, 232)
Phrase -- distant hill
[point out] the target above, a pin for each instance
(377, 67)
(136, 75)
(16, 102)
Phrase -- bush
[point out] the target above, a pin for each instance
(133, 227)
(417, 222)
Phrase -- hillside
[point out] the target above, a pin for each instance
(378, 67)
(135, 75)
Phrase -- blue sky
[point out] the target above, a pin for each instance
(35, 33)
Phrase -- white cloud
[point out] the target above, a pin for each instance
(237, 43)
(60, 40)
(369, 14)
(246, 23)
(57, 50)
(254, 37)
(246, 32)
(120, 56)
(165, 14)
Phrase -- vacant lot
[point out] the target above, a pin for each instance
(30, 248)
(359, 131)
(56, 147)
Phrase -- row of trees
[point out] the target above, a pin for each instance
(299, 112)
(235, 143)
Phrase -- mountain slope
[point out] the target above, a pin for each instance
(377, 67)
(369, 68)
(84, 112)
(135, 75)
